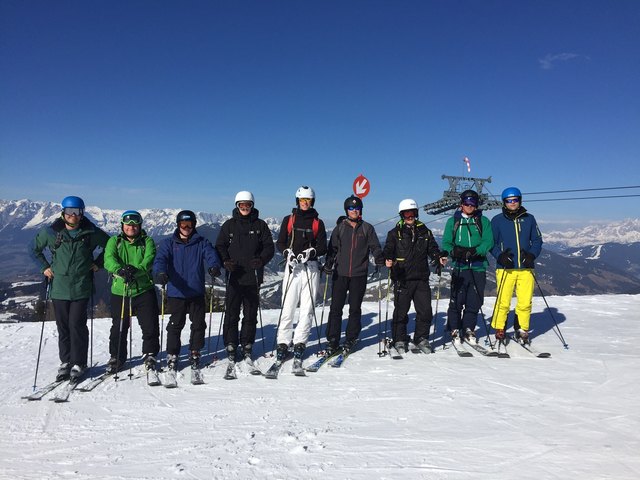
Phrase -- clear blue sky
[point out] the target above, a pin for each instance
(143, 104)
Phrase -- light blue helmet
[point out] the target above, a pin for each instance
(511, 192)
(131, 217)
(72, 202)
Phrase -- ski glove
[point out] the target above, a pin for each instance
(463, 254)
(506, 259)
(527, 259)
(128, 273)
(306, 255)
(229, 265)
(163, 278)
(255, 263)
(290, 257)
(328, 266)
(214, 272)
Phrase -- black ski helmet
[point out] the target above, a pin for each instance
(470, 197)
(352, 201)
(186, 216)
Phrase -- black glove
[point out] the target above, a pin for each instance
(527, 259)
(506, 258)
(163, 278)
(443, 254)
(214, 272)
(128, 273)
(328, 266)
(229, 265)
(255, 263)
(463, 253)
(379, 262)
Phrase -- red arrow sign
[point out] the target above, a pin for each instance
(361, 186)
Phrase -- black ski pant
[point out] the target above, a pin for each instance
(356, 286)
(245, 296)
(73, 334)
(180, 307)
(405, 292)
(467, 297)
(145, 307)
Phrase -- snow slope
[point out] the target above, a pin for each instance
(574, 415)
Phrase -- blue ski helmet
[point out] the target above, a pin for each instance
(72, 202)
(131, 217)
(511, 192)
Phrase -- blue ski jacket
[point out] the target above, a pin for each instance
(184, 263)
(517, 231)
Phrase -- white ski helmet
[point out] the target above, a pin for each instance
(244, 196)
(407, 204)
(306, 192)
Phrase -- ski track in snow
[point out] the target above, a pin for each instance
(438, 416)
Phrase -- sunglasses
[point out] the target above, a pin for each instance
(469, 202)
(132, 219)
(304, 199)
(351, 208)
(76, 212)
(512, 200)
(186, 225)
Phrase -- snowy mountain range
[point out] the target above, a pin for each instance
(591, 260)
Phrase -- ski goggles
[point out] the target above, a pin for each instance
(409, 214)
(351, 208)
(186, 224)
(76, 212)
(304, 199)
(512, 200)
(470, 201)
(245, 204)
(132, 219)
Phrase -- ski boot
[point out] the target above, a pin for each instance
(63, 372)
(194, 359)
(76, 372)
(281, 351)
(348, 346)
(172, 362)
(247, 351)
(113, 365)
(231, 350)
(523, 336)
(470, 336)
(150, 362)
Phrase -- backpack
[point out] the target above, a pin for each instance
(477, 220)
(314, 226)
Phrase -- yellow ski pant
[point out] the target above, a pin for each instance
(523, 282)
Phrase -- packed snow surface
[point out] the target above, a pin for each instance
(439, 416)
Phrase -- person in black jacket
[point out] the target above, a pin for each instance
(351, 242)
(406, 251)
(245, 246)
(302, 240)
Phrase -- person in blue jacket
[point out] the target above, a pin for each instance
(180, 266)
(517, 243)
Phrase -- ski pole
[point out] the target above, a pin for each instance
(498, 294)
(386, 315)
(224, 311)
(313, 303)
(558, 332)
(435, 315)
(324, 299)
(284, 297)
(120, 327)
(484, 318)
(258, 285)
(44, 317)
(163, 291)
(379, 315)
(130, 338)
(210, 316)
(91, 336)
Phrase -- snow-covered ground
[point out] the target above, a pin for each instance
(574, 415)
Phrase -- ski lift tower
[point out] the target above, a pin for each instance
(451, 198)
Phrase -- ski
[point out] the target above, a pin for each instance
(531, 350)
(274, 370)
(63, 395)
(502, 349)
(251, 367)
(41, 392)
(91, 384)
(196, 376)
(230, 373)
(171, 379)
(395, 353)
(297, 369)
(480, 349)
(315, 366)
(460, 349)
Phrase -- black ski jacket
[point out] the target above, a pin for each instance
(411, 248)
(242, 239)
(301, 236)
(350, 248)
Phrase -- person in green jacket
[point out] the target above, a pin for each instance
(129, 257)
(468, 238)
(71, 241)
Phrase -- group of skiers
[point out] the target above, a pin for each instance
(245, 245)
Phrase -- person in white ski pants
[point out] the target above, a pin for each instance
(301, 282)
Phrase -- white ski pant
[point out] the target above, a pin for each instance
(300, 284)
